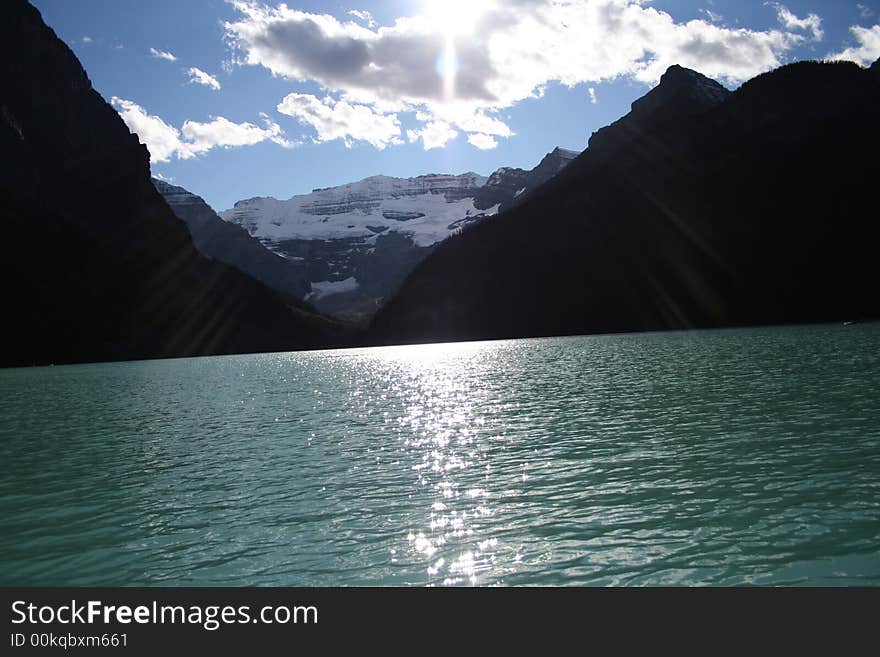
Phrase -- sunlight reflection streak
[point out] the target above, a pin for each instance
(444, 430)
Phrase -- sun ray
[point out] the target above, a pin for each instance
(453, 19)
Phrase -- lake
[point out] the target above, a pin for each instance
(690, 458)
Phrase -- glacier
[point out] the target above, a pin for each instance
(425, 208)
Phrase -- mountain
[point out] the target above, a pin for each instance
(357, 242)
(681, 94)
(701, 208)
(231, 244)
(507, 187)
(95, 265)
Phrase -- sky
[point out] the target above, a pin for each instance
(241, 98)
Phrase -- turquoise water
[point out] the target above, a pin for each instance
(723, 457)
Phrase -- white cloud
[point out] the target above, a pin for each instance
(482, 141)
(363, 16)
(198, 76)
(593, 98)
(501, 53)
(220, 131)
(864, 11)
(435, 134)
(334, 119)
(811, 23)
(868, 50)
(87, 39)
(164, 141)
(159, 54)
(466, 117)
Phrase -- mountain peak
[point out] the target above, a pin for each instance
(679, 71)
(564, 153)
(689, 90)
(680, 93)
(508, 186)
(553, 162)
(678, 77)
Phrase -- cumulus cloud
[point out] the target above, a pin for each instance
(159, 54)
(593, 98)
(220, 131)
(868, 50)
(481, 141)
(198, 76)
(165, 142)
(483, 56)
(466, 117)
(342, 120)
(812, 23)
(435, 134)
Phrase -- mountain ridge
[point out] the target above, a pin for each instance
(232, 244)
(717, 218)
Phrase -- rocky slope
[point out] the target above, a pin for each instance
(231, 244)
(507, 187)
(95, 264)
(701, 208)
(358, 241)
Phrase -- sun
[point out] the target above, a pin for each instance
(455, 17)
(451, 19)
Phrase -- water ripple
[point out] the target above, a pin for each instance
(726, 457)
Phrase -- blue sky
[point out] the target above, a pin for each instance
(266, 100)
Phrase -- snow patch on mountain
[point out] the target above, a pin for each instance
(326, 288)
(427, 209)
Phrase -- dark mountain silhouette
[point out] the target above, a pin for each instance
(681, 94)
(95, 264)
(232, 244)
(701, 208)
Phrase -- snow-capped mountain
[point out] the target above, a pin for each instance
(426, 208)
(360, 240)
